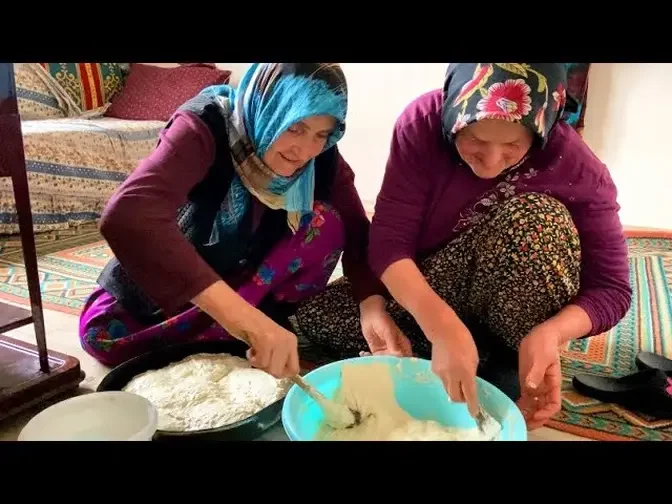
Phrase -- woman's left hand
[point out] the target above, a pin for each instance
(540, 376)
(381, 332)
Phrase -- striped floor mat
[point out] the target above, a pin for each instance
(69, 264)
(647, 327)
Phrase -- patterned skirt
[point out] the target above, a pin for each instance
(515, 269)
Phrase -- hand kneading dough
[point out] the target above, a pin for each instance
(369, 389)
(204, 391)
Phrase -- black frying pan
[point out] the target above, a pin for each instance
(245, 430)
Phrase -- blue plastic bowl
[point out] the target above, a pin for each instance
(417, 390)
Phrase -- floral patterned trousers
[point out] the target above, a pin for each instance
(299, 266)
(515, 269)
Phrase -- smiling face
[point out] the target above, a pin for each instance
(301, 142)
(490, 146)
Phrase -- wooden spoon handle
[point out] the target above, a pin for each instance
(308, 389)
(312, 392)
(319, 398)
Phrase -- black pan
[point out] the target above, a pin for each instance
(245, 430)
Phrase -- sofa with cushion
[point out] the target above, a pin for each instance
(86, 126)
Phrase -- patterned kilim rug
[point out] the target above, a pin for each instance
(647, 327)
(68, 276)
(69, 262)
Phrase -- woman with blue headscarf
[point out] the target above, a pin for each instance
(241, 212)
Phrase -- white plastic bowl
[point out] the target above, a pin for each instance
(99, 416)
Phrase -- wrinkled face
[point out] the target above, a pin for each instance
(490, 146)
(302, 142)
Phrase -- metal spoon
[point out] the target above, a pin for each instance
(487, 424)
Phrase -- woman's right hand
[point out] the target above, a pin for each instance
(454, 353)
(273, 349)
(454, 358)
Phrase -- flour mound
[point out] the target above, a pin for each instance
(205, 391)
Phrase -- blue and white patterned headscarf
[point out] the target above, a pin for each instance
(269, 99)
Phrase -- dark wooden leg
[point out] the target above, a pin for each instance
(28, 374)
(13, 163)
(24, 211)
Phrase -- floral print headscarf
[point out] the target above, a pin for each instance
(533, 95)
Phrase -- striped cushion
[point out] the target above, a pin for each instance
(90, 85)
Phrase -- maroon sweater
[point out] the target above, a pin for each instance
(140, 220)
(428, 197)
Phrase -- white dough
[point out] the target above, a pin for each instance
(429, 430)
(205, 391)
(369, 388)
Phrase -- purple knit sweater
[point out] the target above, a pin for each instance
(428, 198)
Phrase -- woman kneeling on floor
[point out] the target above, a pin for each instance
(497, 235)
(242, 210)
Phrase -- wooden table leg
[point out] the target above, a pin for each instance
(28, 373)
(23, 208)
(13, 163)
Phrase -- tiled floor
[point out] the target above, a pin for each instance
(62, 336)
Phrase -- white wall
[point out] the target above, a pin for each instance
(378, 92)
(628, 125)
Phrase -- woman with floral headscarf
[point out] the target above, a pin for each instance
(497, 234)
(241, 211)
